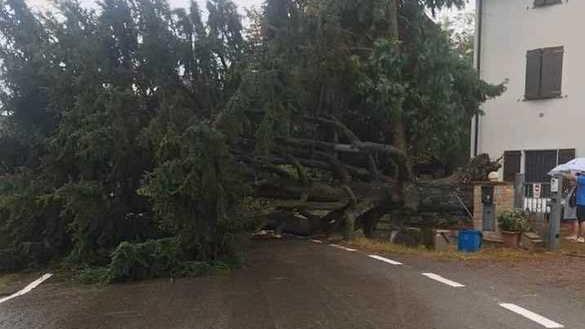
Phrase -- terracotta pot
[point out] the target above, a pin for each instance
(511, 239)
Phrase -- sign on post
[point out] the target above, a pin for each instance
(554, 185)
(537, 191)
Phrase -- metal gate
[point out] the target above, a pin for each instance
(537, 194)
(536, 201)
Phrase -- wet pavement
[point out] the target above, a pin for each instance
(298, 285)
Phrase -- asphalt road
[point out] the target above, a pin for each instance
(302, 285)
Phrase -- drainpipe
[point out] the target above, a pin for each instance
(479, 4)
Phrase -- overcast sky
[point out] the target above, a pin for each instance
(44, 4)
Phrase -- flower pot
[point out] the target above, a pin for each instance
(511, 239)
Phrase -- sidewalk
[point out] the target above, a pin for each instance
(571, 248)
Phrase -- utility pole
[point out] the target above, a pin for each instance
(554, 223)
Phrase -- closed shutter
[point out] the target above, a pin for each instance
(539, 164)
(533, 73)
(566, 155)
(541, 3)
(512, 163)
(552, 72)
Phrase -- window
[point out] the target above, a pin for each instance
(537, 166)
(537, 163)
(566, 155)
(542, 3)
(540, 163)
(544, 73)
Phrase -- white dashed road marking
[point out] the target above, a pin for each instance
(385, 260)
(441, 279)
(532, 316)
(28, 288)
(547, 323)
(342, 247)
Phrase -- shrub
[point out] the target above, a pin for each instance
(30, 225)
(151, 259)
(94, 275)
(9, 261)
(196, 192)
(191, 269)
(513, 221)
(154, 259)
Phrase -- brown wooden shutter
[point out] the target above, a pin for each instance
(539, 3)
(566, 155)
(552, 72)
(533, 73)
(512, 163)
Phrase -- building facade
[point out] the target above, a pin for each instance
(536, 48)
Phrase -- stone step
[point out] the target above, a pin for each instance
(532, 236)
(530, 243)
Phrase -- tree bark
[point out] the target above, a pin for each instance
(340, 186)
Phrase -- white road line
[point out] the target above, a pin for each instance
(441, 279)
(342, 247)
(385, 260)
(317, 241)
(28, 288)
(532, 316)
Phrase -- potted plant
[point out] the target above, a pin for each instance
(513, 224)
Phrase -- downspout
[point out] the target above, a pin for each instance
(478, 67)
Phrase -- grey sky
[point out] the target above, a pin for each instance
(44, 4)
(241, 3)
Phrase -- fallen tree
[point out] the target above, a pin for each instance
(337, 108)
(140, 130)
(316, 186)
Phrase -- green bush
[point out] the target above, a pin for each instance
(151, 259)
(154, 259)
(94, 275)
(9, 260)
(29, 221)
(192, 269)
(514, 221)
(196, 192)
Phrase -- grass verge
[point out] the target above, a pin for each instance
(486, 254)
(6, 280)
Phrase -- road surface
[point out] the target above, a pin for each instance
(304, 285)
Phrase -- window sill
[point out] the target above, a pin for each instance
(524, 99)
(559, 2)
(546, 6)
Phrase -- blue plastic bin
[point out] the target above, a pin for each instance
(469, 240)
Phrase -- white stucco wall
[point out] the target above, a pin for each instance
(510, 28)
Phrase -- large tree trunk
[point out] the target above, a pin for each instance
(314, 186)
(443, 199)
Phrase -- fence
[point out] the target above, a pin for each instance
(537, 203)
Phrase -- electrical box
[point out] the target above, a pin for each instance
(489, 208)
(487, 195)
